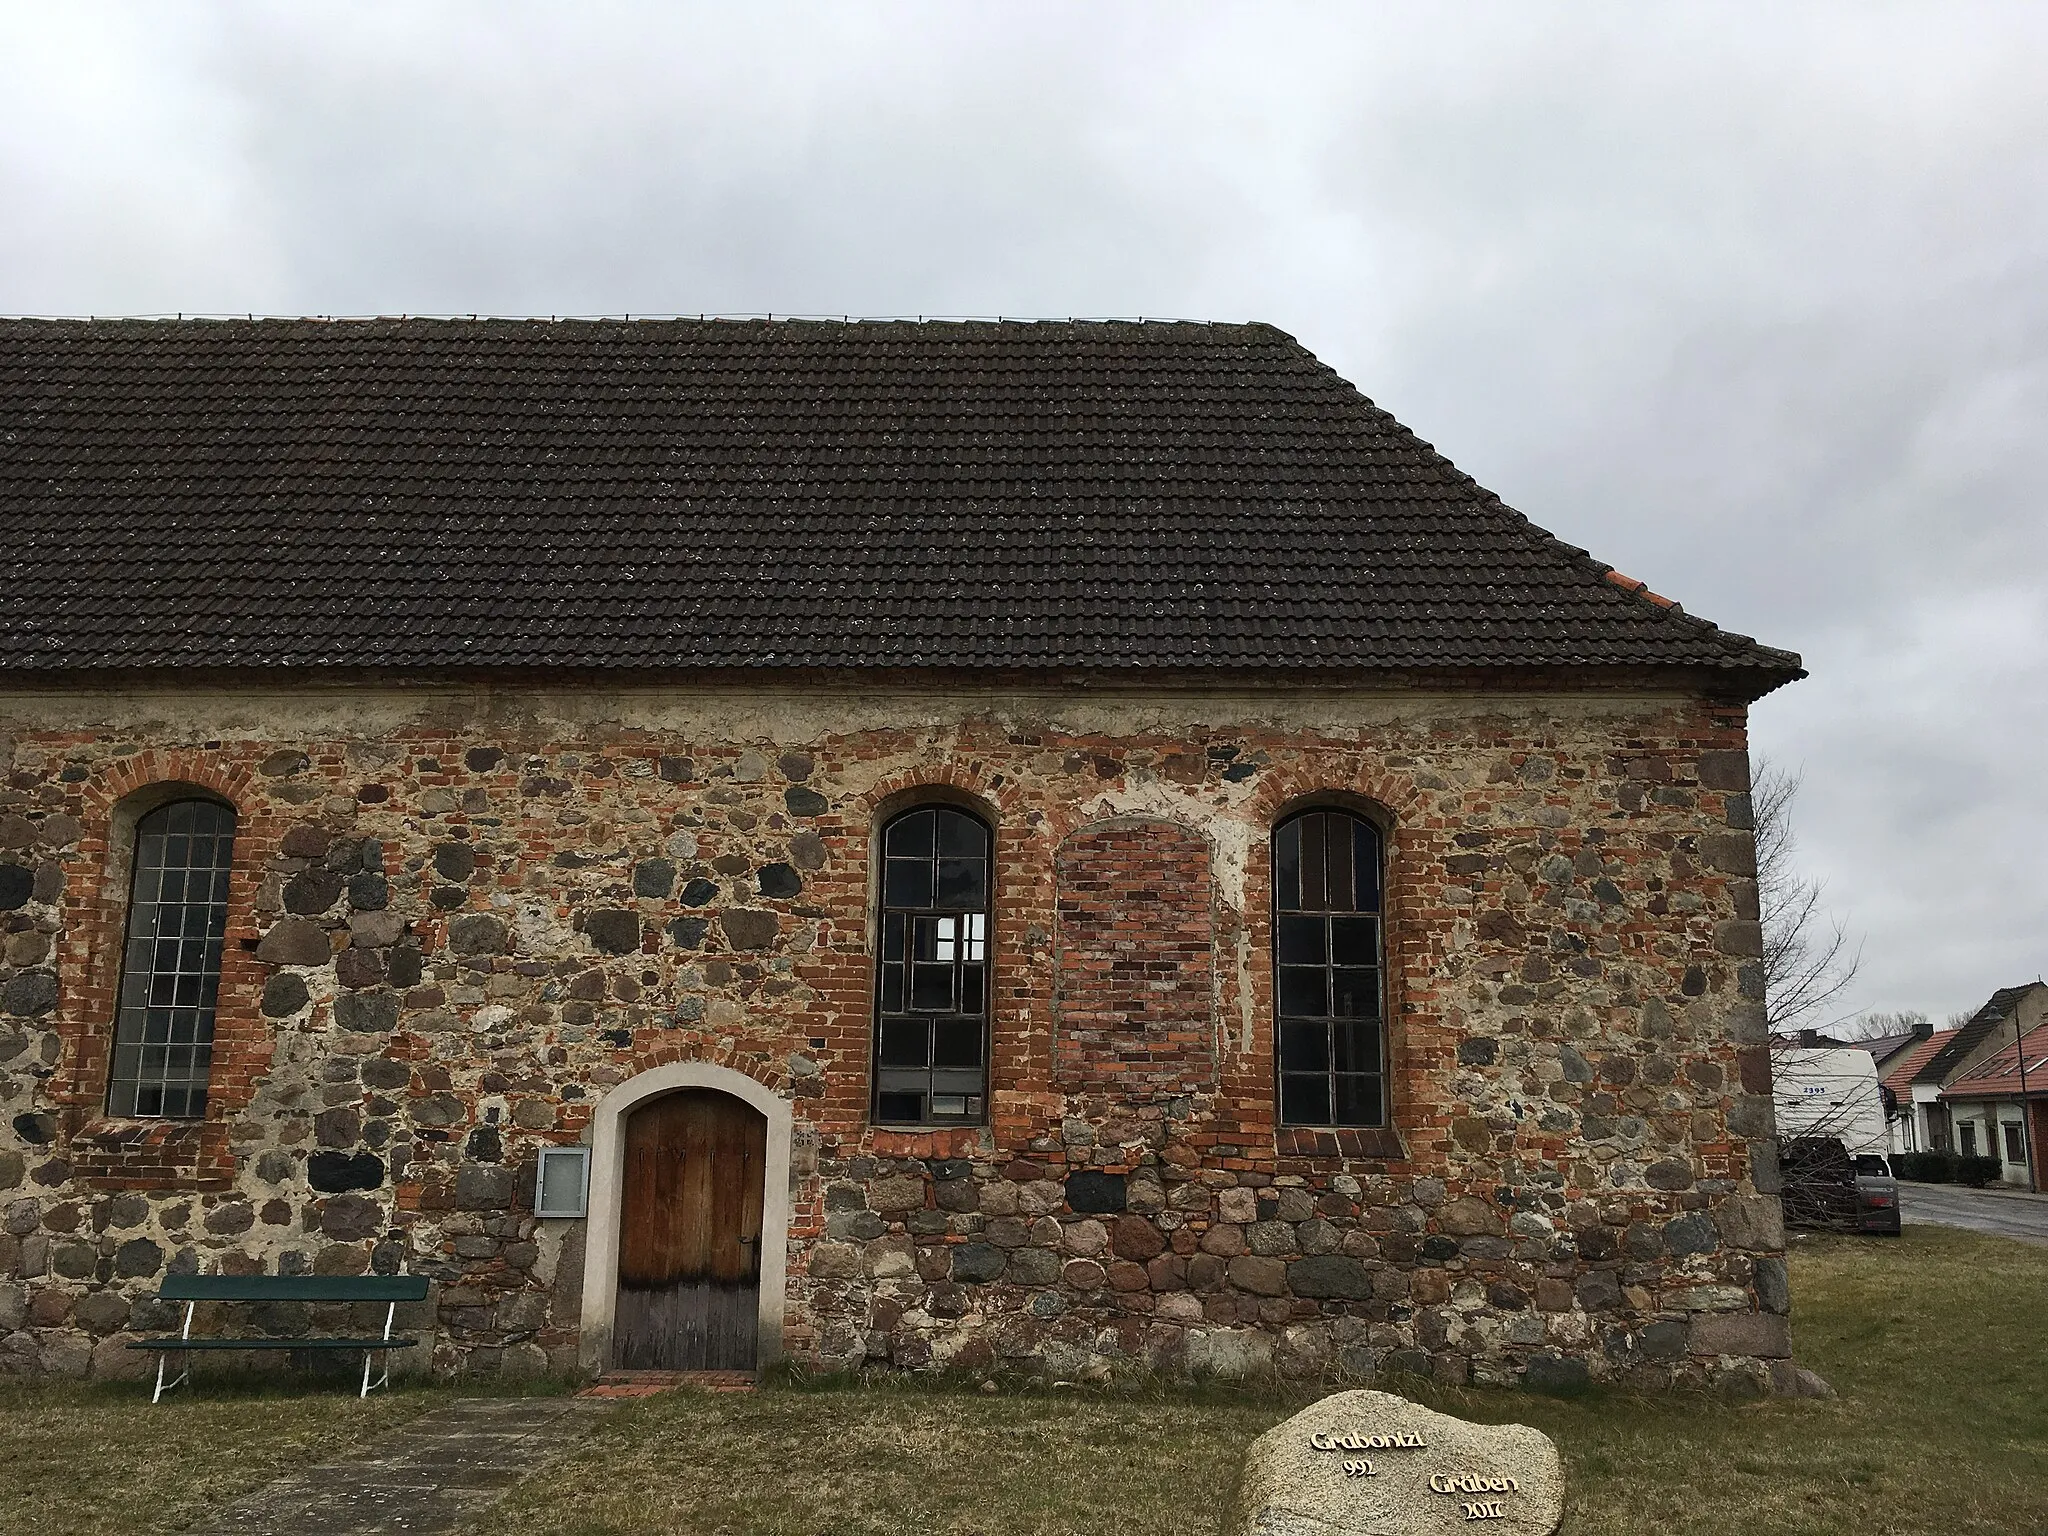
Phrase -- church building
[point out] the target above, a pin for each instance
(1010, 846)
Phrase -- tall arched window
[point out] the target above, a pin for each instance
(931, 979)
(170, 970)
(1331, 1038)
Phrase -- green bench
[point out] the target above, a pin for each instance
(193, 1289)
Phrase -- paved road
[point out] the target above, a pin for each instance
(1949, 1205)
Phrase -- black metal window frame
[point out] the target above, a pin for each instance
(1329, 970)
(934, 965)
(162, 1065)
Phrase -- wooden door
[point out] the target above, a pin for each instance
(690, 1234)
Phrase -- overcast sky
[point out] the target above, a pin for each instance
(1751, 301)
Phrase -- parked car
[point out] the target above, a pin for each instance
(1877, 1195)
(1828, 1189)
(1820, 1185)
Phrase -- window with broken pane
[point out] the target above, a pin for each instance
(931, 982)
(170, 971)
(1329, 1024)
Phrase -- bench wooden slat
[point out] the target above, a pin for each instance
(390, 1343)
(294, 1288)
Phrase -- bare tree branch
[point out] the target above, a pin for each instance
(1875, 1026)
(1808, 960)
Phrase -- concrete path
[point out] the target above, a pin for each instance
(2003, 1213)
(436, 1473)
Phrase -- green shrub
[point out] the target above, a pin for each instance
(1977, 1171)
(1926, 1167)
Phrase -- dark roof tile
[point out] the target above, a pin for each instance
(415, 493)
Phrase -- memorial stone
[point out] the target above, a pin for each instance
(1373, 1464)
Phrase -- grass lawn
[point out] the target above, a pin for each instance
(78, 1458)
(1935, 1343)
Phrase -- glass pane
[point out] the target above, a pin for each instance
(962, 883)
(1314, 897)
(1355, 940)
(925, 934)
(931, 988)
(1358, 1101)
(1304, 991)
(911, 836)
(977, 936)
(1287, 868)
(892, 987)
(1301, 940)
(908, 883)
(906, 1043)
(1356, 1047)
(1365, 861)
(900, 1108)
(1304, 1047)
(894, 926)
(1305, 1100)
(962, 834)
(948, 1104)
(970, 989)
(1354, 994)
(1337, 832)
(956, 1043)
(561, 1182)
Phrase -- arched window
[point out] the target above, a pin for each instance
(170, 970)
(1331, 1038)
(931, 976)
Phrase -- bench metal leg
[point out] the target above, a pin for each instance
(162, 1386)
(384, 1380)
(163, 1359)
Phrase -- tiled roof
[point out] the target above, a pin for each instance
(1999, 1073)
(1959, 1044)
(1899, 1076)
(767, 494)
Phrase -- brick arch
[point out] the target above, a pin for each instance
(994, 796)
(170, 766)
(1388, 798)
(1134, 992)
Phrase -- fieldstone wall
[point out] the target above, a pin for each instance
(459, 917)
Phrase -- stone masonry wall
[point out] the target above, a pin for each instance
(459, 917)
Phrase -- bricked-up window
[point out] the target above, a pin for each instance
(1326, 968)
(931, 982)
(170, 970)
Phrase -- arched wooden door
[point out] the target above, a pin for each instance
(690, 1234)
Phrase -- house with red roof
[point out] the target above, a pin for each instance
(1914, 1109)
(1999, 1107)
(1970, 1089)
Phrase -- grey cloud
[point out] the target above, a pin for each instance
(1748, 300)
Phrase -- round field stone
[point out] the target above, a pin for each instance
(1373, 1464)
